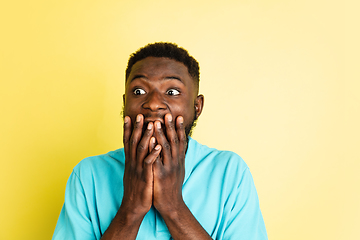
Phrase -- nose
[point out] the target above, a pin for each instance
(154, 102)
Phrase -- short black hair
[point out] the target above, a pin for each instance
(167, 50)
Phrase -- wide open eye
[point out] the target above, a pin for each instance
(172, 92)
(139, 91)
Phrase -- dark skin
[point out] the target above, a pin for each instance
(160, 101)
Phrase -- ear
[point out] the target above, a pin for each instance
(199, 104)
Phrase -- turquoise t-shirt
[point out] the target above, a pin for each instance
(218, 189)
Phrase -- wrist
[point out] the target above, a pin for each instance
(127, 217)
(173, 211)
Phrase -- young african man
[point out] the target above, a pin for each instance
(163, 184)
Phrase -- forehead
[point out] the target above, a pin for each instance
(161, 67)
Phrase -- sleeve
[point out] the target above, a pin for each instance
(74, 220)
(245, 220)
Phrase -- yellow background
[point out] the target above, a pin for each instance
(281, 83)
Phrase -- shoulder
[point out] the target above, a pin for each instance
(104, 163)
(224, 158)
(227, 166)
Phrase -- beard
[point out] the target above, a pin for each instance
(190, 127)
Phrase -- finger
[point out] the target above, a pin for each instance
(127, 135)
(152, 143)
(161, 139)
(181, 135)
(171, 134)
(158, 169)
(136, 135)
(148, 162)
(143, 146)
(153, 155)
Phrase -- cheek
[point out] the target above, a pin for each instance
(130, 109)
(185, 110)
(130, 104)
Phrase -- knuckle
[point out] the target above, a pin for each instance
(133, 142)
(141, 147)
(147, 161)
(182, 138)
(167, 146)
(171, 125)
(137, 125)
(174, 140)
(148, 132)
(160, 132)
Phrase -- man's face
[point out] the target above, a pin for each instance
(157, 86)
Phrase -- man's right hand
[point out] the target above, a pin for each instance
(138, 176)
(140, 154)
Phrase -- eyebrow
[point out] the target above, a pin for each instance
(165, 78)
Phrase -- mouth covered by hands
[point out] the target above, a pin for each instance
(154, 164)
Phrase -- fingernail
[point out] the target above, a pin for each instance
(152, 140)
(181, 119)
(169, 117)
(126, 119)
(158, 124)
(150, 125)
(138, 117)
(157, 147)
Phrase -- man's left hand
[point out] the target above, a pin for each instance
(169, 168)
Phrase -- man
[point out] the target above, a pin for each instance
(162, 184)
